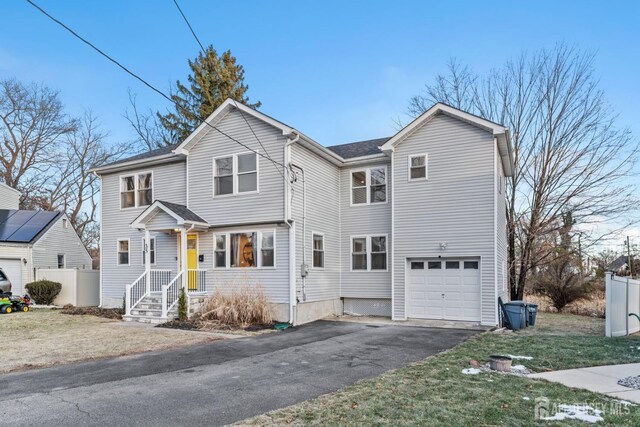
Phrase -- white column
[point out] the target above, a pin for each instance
(147, 250)
(147, 258)
(183, 257)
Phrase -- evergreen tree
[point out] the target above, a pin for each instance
(213, 79)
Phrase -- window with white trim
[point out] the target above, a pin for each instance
(252, 249)
(152, 250)
(318, 250)
(369, 253)
(61, 261)
(369, 186)
(65, 223)
(123, 252)
(235, 174)
(418, 167)
(136, 190)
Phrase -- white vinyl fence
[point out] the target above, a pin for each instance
(623, 298)
(79, 287)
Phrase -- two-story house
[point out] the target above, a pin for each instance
(411, 226)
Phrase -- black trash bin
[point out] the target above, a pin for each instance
(532, 312)
(516, 310)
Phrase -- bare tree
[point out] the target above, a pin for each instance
(150, 134)
(74, 189)
(569, 153)
(33, 125)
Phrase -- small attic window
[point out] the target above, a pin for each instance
(65, 223)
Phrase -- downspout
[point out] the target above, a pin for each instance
(303, 267)
(291, 225)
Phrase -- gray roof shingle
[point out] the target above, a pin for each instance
(183, 212)
(141, 156)
(358, 149)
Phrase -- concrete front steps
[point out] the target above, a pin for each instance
(149, 310)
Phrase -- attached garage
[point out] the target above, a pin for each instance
(444, 288)
(12, 268)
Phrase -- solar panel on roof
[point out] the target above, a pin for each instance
(23, 226)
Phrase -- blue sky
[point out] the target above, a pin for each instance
(339, 71)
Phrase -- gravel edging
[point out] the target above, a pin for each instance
(631, 382)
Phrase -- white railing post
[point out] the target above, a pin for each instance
(608, 315)
(127, 299)
(164, 300)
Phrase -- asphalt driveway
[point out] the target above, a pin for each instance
(220, 382)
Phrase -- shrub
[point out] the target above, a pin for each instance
(242, 305)
(43, 291)
(182, 306)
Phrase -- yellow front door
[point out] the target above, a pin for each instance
(192, 261)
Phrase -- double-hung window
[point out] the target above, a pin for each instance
(369, 186)
(369, 253)
(61, 261)
(123, 252)
(250, 249)
(418, 167)
(151, 249)
(318, 250)
(136, 190)
(235, 174)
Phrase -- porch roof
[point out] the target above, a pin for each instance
(180, 213)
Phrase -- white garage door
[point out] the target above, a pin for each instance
(13, 270)
(444, 289)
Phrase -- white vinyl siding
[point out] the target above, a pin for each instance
(455, 206)
(323, 217)
(372, 220)
(169, 184)
(60, 240)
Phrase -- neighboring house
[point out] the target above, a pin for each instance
(412, 226)
(620, 265)
(30, 240)
(9, 197)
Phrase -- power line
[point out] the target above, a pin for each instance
(204, 52)
(149, 85)
(189, 25)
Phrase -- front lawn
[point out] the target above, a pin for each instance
(44, 337)
(435, 392)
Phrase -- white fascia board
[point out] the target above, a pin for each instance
(149, 161)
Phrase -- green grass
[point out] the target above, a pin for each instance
(435, 392)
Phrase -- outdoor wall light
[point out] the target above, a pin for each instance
(443, 246)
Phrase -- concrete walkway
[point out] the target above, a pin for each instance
(601, 379)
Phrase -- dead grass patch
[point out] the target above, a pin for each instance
(107, 313)
(593, 306)
(42, 338)
(241, 305)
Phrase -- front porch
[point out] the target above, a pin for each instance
(153, 297)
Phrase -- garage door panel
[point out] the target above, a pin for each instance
(13, 270)
(451, 292)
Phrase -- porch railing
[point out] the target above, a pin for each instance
(158, 279)
(197, 280)
(135, 292)
(170, 294)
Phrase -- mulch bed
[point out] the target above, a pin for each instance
(196, 324)
(108, 313)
